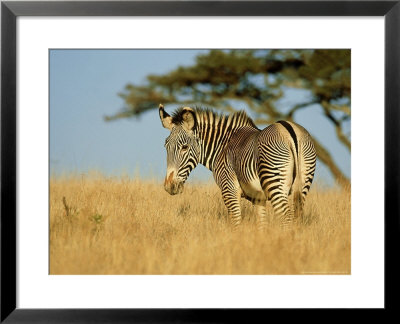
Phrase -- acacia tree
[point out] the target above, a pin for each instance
(258, 78)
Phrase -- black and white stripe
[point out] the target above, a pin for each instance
(276, 163)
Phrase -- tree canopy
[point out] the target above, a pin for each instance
(258, 78)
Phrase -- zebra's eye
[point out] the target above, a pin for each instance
(184, 148)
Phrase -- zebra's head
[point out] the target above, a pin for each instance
(183, 147)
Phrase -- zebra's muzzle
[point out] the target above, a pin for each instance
(174, 188)
(172, 185)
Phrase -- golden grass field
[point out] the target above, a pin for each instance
(103, 225)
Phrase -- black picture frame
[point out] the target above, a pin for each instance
(10, 10)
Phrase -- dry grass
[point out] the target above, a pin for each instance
(124, 226)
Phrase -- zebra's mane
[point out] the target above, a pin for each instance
(205, 115)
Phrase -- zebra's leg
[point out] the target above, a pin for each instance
(279, 196)
(231, 193)
(261, 214)
(276, 187)
(308, 161)
(227, 181)
(282, 208)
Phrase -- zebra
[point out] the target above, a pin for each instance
(276, 164)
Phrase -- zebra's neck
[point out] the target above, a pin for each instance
(215, 132)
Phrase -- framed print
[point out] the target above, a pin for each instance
(95, 222)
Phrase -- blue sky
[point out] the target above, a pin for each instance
(84, 87)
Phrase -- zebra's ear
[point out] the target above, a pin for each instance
(188, 117)
(166, 120)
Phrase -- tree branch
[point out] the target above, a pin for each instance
(299, 106)
(326, 158)
(338, 125)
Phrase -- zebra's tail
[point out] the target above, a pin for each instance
(297, 188)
